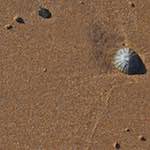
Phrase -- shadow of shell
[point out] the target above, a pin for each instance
(103, 40)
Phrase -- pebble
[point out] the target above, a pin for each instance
(124, 44)
(132, 5)
(19, 19)
(8, 26)
(142, 138)
(44, 69)
(127, 129)
(81, 2)
(116, 145)
(44, 12)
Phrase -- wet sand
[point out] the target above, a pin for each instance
(58, 88)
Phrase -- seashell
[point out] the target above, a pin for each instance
(128, 61)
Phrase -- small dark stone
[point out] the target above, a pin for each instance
(116, 145)
(127, 129)
(8, 26)
(123, 44)
(44, 12)
(19, 19)
(132, 5)
(81, 2)
(142, 138)
(44, 69)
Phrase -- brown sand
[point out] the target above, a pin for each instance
(58, 89)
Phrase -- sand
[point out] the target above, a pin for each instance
(58, 88)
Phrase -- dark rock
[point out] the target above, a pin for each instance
(116, 145)
(44, 12)
(127, 129)
(8, 26)
(44, 69)
(19, 19)
(142, 138)
(81, 2)
(132, 5)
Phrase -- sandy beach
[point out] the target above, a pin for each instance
(58, 87)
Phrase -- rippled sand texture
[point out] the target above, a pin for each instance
(58, 88)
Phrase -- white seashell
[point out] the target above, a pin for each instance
(128, 61)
